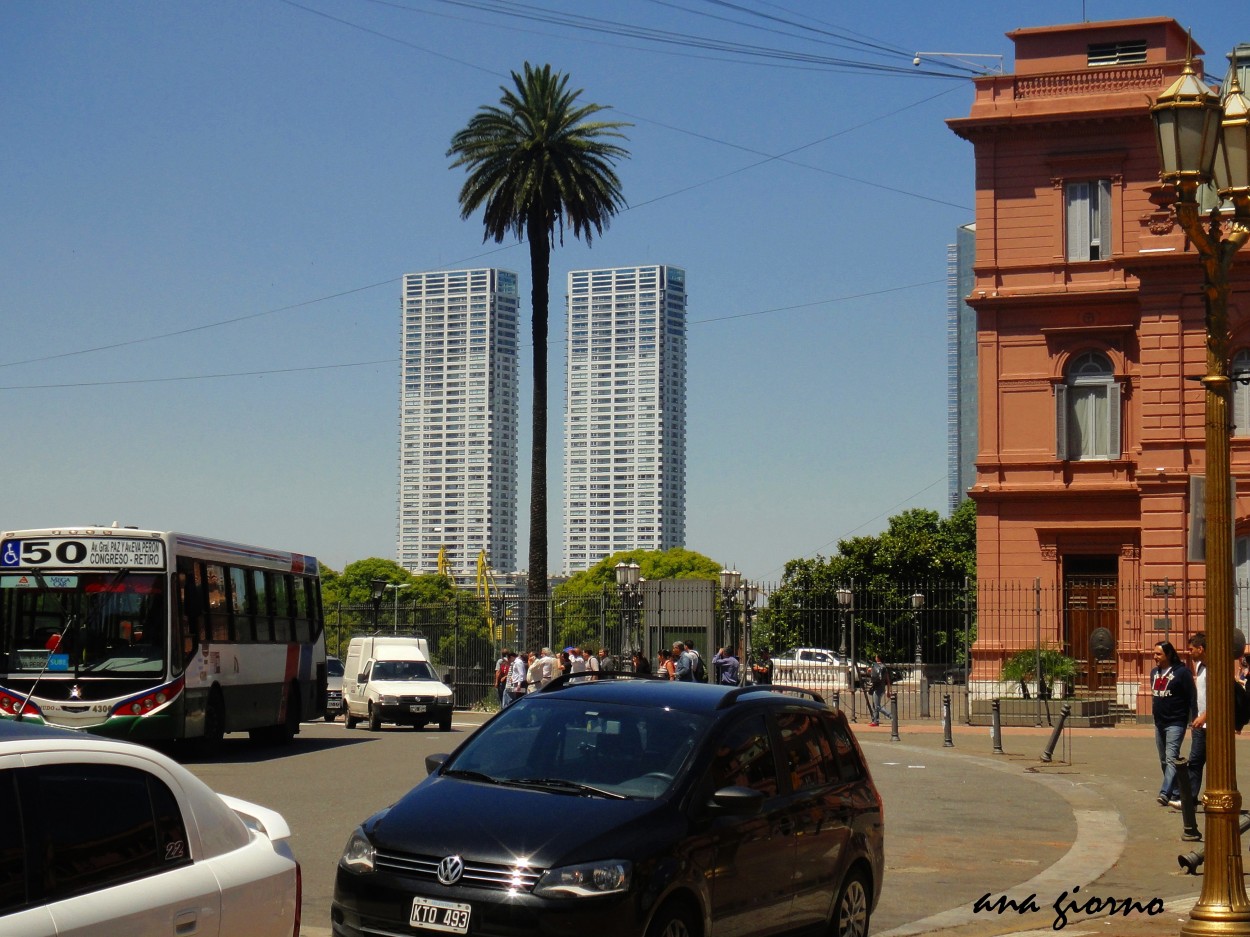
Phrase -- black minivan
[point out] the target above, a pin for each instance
(632, 806)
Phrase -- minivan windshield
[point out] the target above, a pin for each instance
(403, 670)
(575, 746)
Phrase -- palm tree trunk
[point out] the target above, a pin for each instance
(540, 272)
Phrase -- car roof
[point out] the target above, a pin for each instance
(631, 690)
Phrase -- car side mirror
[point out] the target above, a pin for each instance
(447, 680)
(737, 801)
(434, 762)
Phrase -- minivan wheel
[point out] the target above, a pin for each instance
(349, 720)
(673, 920)
(850, 914)
(375, 720)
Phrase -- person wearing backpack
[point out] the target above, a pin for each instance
(684, 664)
(1198, 720)
(879, 684)
(698, 669)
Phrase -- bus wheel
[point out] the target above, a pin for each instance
(375, 720)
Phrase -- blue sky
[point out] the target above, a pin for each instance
(236, 188)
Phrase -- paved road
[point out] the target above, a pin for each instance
(961, 822)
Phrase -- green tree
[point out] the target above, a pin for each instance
(536, 163)
(917, 550)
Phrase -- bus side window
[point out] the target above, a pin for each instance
(279, 590)
(302, 609)
(258, 604)
(240, 614)
(218, 609)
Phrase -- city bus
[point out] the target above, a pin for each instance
(154, 636)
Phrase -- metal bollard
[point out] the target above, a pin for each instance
(894, 717)
(1191, 860)
(947, 741)
(1054, 735)
(996, 727)
(1189, 813)
(837, 699)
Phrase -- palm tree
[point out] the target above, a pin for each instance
(535, 162)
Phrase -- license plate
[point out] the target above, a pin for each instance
(417, 708)
(449, 916)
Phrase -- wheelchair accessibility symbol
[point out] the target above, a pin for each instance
(12, 553)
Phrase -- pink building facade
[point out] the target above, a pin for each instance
(1090, 332)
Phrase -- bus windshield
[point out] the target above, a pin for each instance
(86, 624)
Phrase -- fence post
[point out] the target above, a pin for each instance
(947, 740)
(1037, 617)
(1054, 735)
(1189, 813)
(996, 727)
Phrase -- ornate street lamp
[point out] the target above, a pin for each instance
(750, 593)
(845, 598)
(629, 584)
(1188, 117)
(729, 580)
(917, 603)
(377, 590)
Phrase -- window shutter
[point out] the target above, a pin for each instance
(1061, 422)
(1076, 217)
(1104, 219)
(1114, 420)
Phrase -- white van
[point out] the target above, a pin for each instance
(390, 679)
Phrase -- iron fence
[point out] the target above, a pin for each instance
(1087, 639)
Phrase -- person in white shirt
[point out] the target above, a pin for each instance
(577, 665)
(549, 669)
(1198, 724)
(516, 678)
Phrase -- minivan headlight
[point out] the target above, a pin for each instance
(586, 880)
(358, 854)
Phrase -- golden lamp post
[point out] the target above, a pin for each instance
(1202, 140)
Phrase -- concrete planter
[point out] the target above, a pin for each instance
(1024, 712)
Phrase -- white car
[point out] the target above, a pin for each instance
(102, 837)
(815, 666)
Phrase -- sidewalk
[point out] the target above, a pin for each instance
(1070, 834)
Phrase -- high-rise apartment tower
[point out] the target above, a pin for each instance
(458, 420)
(625, 416)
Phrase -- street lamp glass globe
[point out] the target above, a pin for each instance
(917, 600)
(1232, 167)
(1187, 129)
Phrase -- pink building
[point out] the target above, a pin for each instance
(1090, 331)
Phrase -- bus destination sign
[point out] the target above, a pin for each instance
(83, 553)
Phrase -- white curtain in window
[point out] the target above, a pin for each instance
(1088, 410)
(1087, 217)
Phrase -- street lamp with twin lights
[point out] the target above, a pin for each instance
(917, 603)
(629, 583)
(1202, 139)
(729, 580)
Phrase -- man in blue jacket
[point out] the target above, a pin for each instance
(1173, 697)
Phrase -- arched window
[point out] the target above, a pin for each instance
(1241, 393)
(1087, 410)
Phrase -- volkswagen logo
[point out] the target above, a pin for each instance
(450, 868)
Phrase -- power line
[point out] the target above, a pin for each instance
(357, 364)
(200, 377)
